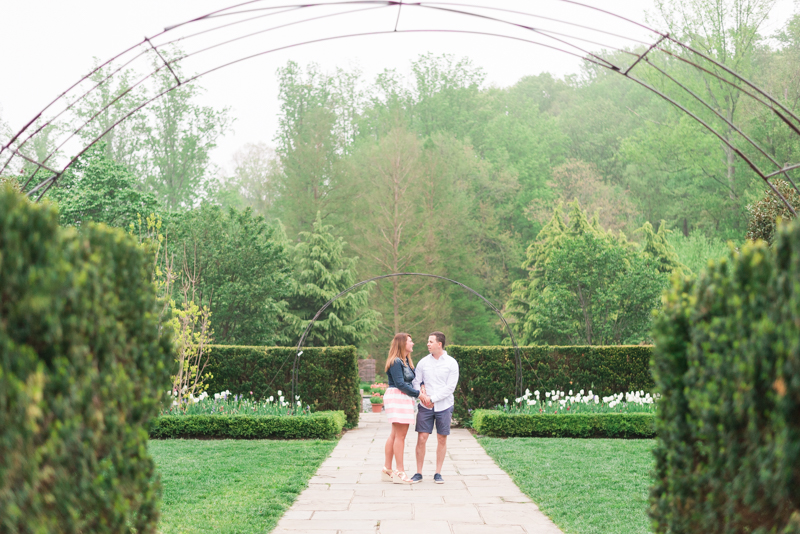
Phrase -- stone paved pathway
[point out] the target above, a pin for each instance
(346, 496)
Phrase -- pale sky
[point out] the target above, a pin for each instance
(49, 44)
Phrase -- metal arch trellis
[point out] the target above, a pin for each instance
(760, 160)
(517, 359)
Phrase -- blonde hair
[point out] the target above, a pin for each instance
(398, 350)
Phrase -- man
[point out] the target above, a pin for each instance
(436, 378)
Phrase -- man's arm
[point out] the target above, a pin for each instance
(450, 385)
(418, 378)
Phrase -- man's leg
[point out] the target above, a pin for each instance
(441, 450)
(422, 439)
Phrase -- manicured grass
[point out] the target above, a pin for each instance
(232, 486)
(585, 486)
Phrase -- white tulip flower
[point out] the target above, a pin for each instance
(518, 399)
(299, 403)
(547, 394)
(536, 393)
(581, 392)
(280, 393)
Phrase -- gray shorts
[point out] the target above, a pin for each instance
(426, 419)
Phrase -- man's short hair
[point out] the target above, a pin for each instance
(439, 337)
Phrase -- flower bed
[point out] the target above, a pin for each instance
(559, 402)
(571, 415)
(497, 423)
(318, 425)
(227, 415)
(226, 403)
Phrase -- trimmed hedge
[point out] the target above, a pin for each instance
(727, 362)
(327, 376)
(488, 374)
(82, 368)
(596, 425)
(319, 425)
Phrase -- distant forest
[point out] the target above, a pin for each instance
(438, 172)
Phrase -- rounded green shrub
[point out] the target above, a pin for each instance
(83, 362)
(727, 363)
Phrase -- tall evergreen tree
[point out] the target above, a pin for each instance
(321, 271)
(656, 245)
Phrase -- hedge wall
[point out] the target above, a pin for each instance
(595, 425)
(320, 425)
(327, 377)
(727, 362)
(487, 374)
(82, 366)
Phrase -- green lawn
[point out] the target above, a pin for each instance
(232, 486)
(585, 486)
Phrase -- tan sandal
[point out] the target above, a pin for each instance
(386, 475)
(400, 477)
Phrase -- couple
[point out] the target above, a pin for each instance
(433, 382)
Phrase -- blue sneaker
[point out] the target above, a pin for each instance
(437, 478)
(416, 478)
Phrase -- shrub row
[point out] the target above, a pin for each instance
(319, 425)
(488, 374)
(727, 363)
(82, 366)
(327, 377)
(596, 425)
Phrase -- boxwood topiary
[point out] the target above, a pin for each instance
(592, 425)
(319, 425)
(487, 374)
(82, 364)
(727, 362)
(327, 377)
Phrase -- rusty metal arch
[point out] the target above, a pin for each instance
(48, 169)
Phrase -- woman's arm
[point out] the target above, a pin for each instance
(397, 377)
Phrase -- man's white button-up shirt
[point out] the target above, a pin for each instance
(440, 377)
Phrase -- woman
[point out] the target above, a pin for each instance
(399, 404)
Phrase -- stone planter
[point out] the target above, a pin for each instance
(377, 408)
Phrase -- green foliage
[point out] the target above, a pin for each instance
(487, 374)
(587, 286)
(237, 265)
(97, 189)
(318, 425)
(657, 246)
(327, 377)
(727, 363)
(764, 214)
(84, 360)
(321, 271)
(600, 425)
(696, 250)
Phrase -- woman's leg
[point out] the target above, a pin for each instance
(399, 431)
(389, 450)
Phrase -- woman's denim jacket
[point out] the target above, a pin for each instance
(400, 376)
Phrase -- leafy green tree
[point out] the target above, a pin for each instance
(589, 288)
(321, 271)
(98, 189)
(168, 143)
(237, 265)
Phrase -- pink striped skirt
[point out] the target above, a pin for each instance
(399, 406)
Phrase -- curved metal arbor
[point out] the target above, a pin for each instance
(258, 27)
(518, 361)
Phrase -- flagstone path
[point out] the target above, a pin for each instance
(346, 496)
